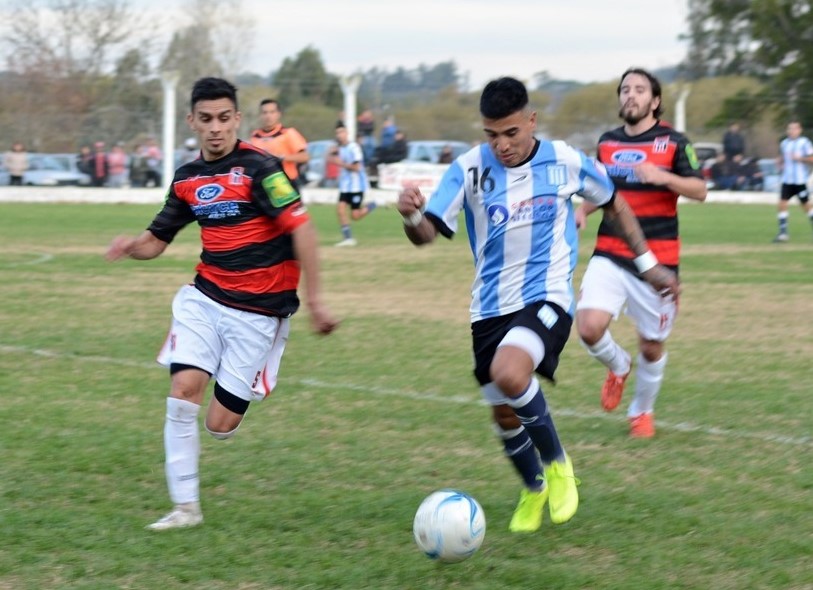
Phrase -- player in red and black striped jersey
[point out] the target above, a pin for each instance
(651, 165)
(233, 323)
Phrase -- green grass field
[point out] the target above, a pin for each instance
(319, 487)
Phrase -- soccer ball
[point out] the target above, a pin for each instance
(449, 526)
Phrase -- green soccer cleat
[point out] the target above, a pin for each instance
(528, 514)
(564, 497)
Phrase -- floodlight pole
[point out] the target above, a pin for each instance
(169, 81)
(350, 85)
(680, 109)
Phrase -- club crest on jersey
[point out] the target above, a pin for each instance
(629, 157)
(498, 214)
(660, 145)
(208, 192)
(556, 174)
(236, 175)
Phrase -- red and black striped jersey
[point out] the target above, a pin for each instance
(654, 206)
(247, 209)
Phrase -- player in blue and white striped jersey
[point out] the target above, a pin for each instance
(515, 193)
(353, 183)
(796, 155)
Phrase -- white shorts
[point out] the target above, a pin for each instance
(608, 287)
(242, 350)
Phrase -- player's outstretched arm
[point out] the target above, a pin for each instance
(417, 228)
(626, 225)
(307, 252)
(142, 247)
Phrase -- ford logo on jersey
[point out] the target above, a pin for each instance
(208, 192)
(629, 157)
(498, 214)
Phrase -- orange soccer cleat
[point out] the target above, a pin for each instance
(612, 390)
(642, 426)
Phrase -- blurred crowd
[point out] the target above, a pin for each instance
(98, 165)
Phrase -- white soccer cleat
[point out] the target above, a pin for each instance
(345, 243)
(182, 516)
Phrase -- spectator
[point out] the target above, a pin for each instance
(99, 169)
(330, 179)
(388, 132)
(752, 175)
(84, 160)
(396, 151)
(152, 157)
(723, 173)
(117, 161)
(446, 156)
(365, 130)
(190, 152)
(138, 167)
(16, 162)
(733, 142)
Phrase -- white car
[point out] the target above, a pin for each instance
(428, 150)
(53, 170)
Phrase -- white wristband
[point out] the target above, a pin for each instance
(646, 261)
(413, 219)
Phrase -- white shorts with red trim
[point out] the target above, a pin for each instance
(242, 350)
(608, 287)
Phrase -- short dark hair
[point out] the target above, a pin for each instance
(340, 125)
(266, 101)
(503, 97)
(213, 89)
(653, 82)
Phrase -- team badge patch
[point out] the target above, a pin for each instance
(693, 161)
(279, 189)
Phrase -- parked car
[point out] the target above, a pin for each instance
(314, 170)
(707, 152)
(54, 170)
(771, 177)
(423, 150)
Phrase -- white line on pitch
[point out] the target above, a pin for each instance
(39, 259)
(435, 397)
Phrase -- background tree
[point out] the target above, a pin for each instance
(304, 77)
(59, 51)
(771, 41)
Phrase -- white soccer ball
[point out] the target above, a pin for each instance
(449, 526)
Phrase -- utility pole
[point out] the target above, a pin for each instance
(169, 81)
(350, 86)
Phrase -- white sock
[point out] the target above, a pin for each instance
(610, 354)
(648, 379)
(182, 447)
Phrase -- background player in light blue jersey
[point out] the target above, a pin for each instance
(352, 184)
(515, 192)
(795, 157)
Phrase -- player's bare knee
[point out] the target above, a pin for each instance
(651, 350)
(225, 417)
(510, 381)
(221, 433)
(505, 417)
(589, 332)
